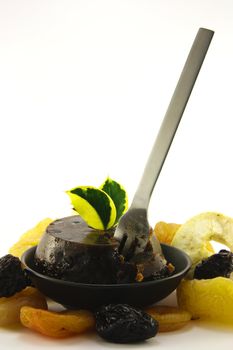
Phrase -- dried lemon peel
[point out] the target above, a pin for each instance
(194, 236)
(101, 207)
(210, 299)
(30, 238)
(169, 318)
(10, 307)
(57, 324)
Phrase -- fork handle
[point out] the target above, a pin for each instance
(172, 118)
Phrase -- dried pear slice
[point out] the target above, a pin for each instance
(10, 307)
(165, 233)
(57, 324)
(210, 299)
(194, 235)
(30, 238)
(169, 318)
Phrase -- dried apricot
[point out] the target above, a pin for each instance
(57, 324)
(10, 306)
(209, 299)
(169, 318)
(165, 231)
(30, 238)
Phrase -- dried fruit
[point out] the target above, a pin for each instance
(12, 277)
(165, 231)
(220, 264)
(210, 299)
(169, 318)
(57, 324)
(30, 238)
(122, 323)
(10, 307)
(193, 236)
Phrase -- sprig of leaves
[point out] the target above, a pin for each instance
(100, 207)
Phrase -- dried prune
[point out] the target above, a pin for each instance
(12, 277)
(122, 323)
(219, 264)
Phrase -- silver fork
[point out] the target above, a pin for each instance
(133, 230)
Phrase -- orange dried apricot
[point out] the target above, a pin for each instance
(10, 307)
(57, 324)
(165, 231)
(169, 318)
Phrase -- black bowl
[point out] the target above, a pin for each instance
(90, 296)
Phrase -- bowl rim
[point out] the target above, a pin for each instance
(106, 286)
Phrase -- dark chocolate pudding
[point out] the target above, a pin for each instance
(73, 251)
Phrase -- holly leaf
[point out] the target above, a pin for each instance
(94, 205)
(118, 195)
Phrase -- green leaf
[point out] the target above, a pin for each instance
(118, 195)
(94, 205)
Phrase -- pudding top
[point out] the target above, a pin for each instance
(75, 229)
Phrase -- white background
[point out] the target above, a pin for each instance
(84, 86)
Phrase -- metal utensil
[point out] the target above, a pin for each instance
(133, 230)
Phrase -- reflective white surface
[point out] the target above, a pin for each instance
(84, 86)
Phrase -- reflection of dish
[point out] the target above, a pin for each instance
(82, 295)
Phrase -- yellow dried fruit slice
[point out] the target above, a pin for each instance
(30, 238)
(193, 236)
(165, 233)
(170, 318)
(10, 307)
(210, 299)
(57, 324)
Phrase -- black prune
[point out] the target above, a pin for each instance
(122, 323)
(220, 264)
(12, 277)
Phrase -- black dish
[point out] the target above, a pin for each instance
(90, 296)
